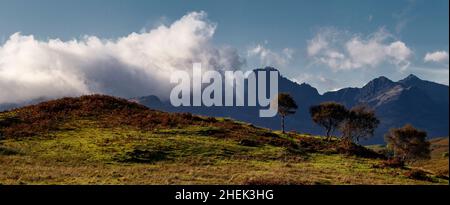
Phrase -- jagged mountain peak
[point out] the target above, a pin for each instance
(267, 68)
(377, 86)
(380, 81)
(412, 77)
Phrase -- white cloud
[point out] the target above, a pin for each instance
(437, 56)
(137, 64)
(341, 51)
(316, 44)
(267, 57)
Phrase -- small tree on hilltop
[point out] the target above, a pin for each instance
(360, 122)
(328, 115)
(408, 143)
(286, 106)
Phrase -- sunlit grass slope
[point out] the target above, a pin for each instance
(105, 140)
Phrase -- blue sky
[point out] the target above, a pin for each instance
(289, 35)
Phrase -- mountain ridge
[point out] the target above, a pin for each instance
(410, 100)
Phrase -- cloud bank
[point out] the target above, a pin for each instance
(134, 65)
(437, 56)
(343, 51)
(268, 57)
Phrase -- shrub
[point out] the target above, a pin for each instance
(249, 143)
(408, 143)
(392, 163)
(349, 148)
(418, 175)
(143, 155)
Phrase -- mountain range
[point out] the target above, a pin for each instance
(422, 103)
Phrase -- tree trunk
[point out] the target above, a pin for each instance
(282, 124)
(328, 134)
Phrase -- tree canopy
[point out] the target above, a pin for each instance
(328, 115)
(286, 106)
(360, 122)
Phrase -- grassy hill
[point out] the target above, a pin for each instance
(105, 140)
(438, 163)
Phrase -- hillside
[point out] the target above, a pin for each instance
(106, 140)
(439, 157)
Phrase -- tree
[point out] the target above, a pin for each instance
(408, 143)
(286, 106)
(328, 115)
(360, 122)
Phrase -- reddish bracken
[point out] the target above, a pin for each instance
(112, 112)
(109, 111)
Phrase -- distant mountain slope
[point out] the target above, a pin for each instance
(411, 100)
(438, 92)
(9, 106)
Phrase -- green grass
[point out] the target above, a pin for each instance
(91, 144)
(82, 149)
(439, 161)
(93, 155)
